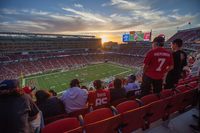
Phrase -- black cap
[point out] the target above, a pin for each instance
(9, 84)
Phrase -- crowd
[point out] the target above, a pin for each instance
(24, 111)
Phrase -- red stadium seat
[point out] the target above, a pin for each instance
(132, 116)
(175, 103)
(62, 125)
(127, 105)
(118, 101)
(54, 118)
(192, 85)
(149, 98)
(156, 109)
(167, 96)
(79, 112)
(181, 88)
(101, 121)
(166, 93)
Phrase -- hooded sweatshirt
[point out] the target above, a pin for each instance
(74, 99)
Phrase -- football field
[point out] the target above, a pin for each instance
(59, 81)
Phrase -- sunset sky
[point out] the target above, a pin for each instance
(108, 19)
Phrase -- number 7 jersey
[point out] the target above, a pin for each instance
(158, 61)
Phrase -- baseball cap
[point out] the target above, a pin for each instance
(9, 84)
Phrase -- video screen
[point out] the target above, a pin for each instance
(136, 36)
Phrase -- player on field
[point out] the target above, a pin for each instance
(157, 63)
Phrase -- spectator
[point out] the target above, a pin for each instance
(50, 106)
(131, 85)
(74, 98)
(118, 91)
(157, 63)
(180, 60)
(28, 90)
(53, 93)
(84, 87)
(100, 96)
(17, 109)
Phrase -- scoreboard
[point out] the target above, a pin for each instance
(136, 36)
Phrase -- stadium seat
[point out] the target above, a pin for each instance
(79, 112)
(181, 88)
(101, 121)
(175, 103)
(63, 125)
(166, 93)
(132, 116)
(54, 118)
(192, 85)
(166, 96)
(149, 98)
(156, 107)
(118, 101)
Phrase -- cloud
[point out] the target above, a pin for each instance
(130, 15)
(126, 5)
(87, 15)
(8, 11)
(78, 5)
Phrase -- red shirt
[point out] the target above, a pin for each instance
(158, 60)
(99, 97)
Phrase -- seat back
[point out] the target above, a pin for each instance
(101, 120)
(149, 98)
(118, 101)
(54, 118)
(156, 110)
(79, 112)
(192, 85)
(132, 119)
(181, 88)
(166, 93)
(61, 126)
(126, 106)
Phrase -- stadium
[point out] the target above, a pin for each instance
(77, 83)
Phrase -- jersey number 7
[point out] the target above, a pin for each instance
(161, 63)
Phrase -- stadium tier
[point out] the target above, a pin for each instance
(188, 35)
(31, 42)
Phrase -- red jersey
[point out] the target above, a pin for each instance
(99, 97)
(158, 60)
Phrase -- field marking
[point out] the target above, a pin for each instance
(32, 77)
(101, 79)
(125, 69)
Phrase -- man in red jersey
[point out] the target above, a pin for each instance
(157, 63)
(100, 96)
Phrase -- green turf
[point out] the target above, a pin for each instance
(59, 81)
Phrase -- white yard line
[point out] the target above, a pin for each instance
(101, 79)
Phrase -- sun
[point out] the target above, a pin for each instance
(103, 38)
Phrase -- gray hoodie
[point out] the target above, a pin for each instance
(74, 99)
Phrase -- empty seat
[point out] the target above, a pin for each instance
(149, 98)
(101, 121)
(54, 118)
(156, 109)
(132, 116)
(79, 112)
(118, 101)
(62, 125)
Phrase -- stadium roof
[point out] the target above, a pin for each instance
(40, 35)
